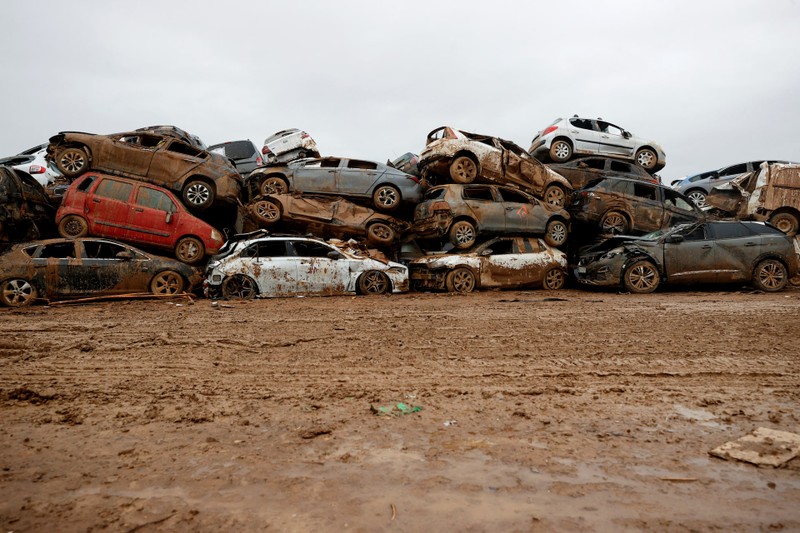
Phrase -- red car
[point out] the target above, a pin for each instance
(139, 213)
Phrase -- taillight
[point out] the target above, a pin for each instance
(36, 169)
(440, 206)
(551, 129)
(416, 179)
(304, 135)
(259, 162)
(266, 151)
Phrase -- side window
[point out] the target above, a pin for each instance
(154, 199)
(591, 163)
(478, 193)
(363, 165)
(513, 196)
(502, 247)
(527, 245)
(265, 249)
(644, 191)
(581, 123)
(435, 194)
(179, 147)
(619, 166)
(313, 164)
(620, 186)
(612, 129)
(671, 198)
(59, 250)
(696, 234)
(116, 190)
(102, 250)
(731, 230)
(735, 169)
(82, 186)
(311, 249)
(329, 163)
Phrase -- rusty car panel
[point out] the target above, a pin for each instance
(25, 209)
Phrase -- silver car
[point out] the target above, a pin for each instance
(698, 186)
(567, 137)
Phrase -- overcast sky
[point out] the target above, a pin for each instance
(714, 82)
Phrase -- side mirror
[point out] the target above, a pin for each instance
(626, 134)
(126, 255)
(675, 239)
(168, 218)
(334, 255)
(486, 252)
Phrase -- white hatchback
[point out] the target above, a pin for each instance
(288, 145)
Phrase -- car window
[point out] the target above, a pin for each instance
(435, 194)
(58, 250)
(513, 196)
(239, 150)
(644, 191)
(672, 198)
(734, 169)
(582, 123)
(102, 249)
(84, 185)
(619, 166)
(116, 190)
(527, 245)
(329, 163)
(698, 233)
(155, 199)
(605, 127)
(477, 193)
(310, 249)
(179, 147)
(502, 247)
(730, 230)
(266, 249)
(763, 229)
(363, 165)
(598, 164)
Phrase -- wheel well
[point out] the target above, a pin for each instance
(460, 218)
(647, 147)
(469, 154)
(208, 181)
(255, 283)
(785, 209)
(693, 189)
(565, 139)
(618, 210)
(639, 257)
(358, 281)
(781, 260)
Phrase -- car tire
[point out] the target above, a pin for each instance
(274, 185)
(786, 222)
(374, 282)
(239, 287)
(198, 194)
(461, 280)
(381, 234)
(268, 212)
(72, 161)
(73, 227)
(462, 234)
(167, 282)
(463, 169)
(554, 279)
(17, 292)
(647, 159)
(555, 195)
(190, 250)
(698, 197)
(614, 223)
(770, 275)
(641, 277)
(556, 233)
(560, 151)
(386, 198)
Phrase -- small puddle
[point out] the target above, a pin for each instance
(704, 417)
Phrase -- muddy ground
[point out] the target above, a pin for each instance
(591, 412)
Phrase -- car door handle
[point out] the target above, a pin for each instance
(138, 210)
(750, 244)
(188, 160)
(706, 247)
(96, 200)
(305, 262)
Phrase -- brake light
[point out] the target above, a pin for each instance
(259, 162)
(551, 129)
(266, 151)
(440, 206)
(416, 179)
(304, 135)
(36, 169)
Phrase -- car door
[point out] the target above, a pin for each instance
(677, 209)
(318, 272)
(107, 207)
(487, 210)
(584, 136)
(613, 141)
(173, 161)
(647, 207)
(271, 264)
(108, 272)
(737, 249)
(127, 153)
(153, 217)
(522, 213)
(317, 175)
(57, 267)
(514, 262)
(356, 177)
(691, 257)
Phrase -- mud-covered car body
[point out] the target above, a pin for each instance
(704, 252)
(631, 207)
(287, 145)
(567, 137)
(770, 193)
(484, 209)
(244, 155)
(286, 265)
(448, 153)
(174, 131)
(581, 172)
(408, 163)
(501, 262)
(25, 209)
(34, 162)
(200, 177)
(69, 268)
(697, 186)
(326, 217)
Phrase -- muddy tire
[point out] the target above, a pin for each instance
(641, 277)
(462, 234)
(555, 195)
(167, 282)
(190, 250)
(268, 212)
(786, 222)
(73, 227)
(698, 197)
(374, 282)
(460, 280)
(381, 234)
(560, 151)
(615, 223)
(556, 233)
(239, 287)
(770, 275)
(72, 161)
(554, 279)
(463, 169)
(274, 185)
(386, 198)
(17, 292)
(647, 159)
(198, 194)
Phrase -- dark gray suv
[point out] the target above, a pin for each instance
(244, 155)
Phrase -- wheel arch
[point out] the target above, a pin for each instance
(357, 279)
(642, 256)
(467, 153)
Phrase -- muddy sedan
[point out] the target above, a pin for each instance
(708, 252)
(502, 262)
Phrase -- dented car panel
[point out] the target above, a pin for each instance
(25, 209)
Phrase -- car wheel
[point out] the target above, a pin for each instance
(460, 280)
(560, 151)
(167, 282)
(462, 234)
(786, 222)
(386, 198)
(72, 161)
(615, 223)
(198, 194)
(463, 169)
(555, 233)
(555, 195)
(381, 234)
(267, 211)
(239, 287)
(770, 275)
(698, 197)
(73, 226)
(190, 250)
(641, 277)
(647, 158)
(17, 293)
(274, 185)
(554, 279)
(373, 282)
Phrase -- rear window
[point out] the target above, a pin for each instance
(363, 165)
(240, 150)
(435, 194)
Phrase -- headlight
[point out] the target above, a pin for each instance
(612, 253)
(216, 235)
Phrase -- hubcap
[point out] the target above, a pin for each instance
(381, 232)
(466, 169)
(387, 197)
(698, 198)
(558, 233)
(642, 277)
(189, 250)
(555, 196)
(167, 284)
(464, 234)
(17, 291)
(462, 281)
(198, 194)
(614, 224)
(268, 211)
(375, 283)
(562, 150)
(73, 227)
(646, 159)
(274, 186)
(555, 278)
(771, 275)
(72, 161)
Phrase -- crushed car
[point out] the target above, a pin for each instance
(581, 172)
(326, 216)
(243, 154)
(771, 193)
(406, 163)
(25, 209)
(73, 268)
(697, 186)
(385, 187)
(704, 252)
(200, 177)
(34, 162)
(463, 157)
(265, 266)
(287, 145)
(128, 210)
(462, 213)
(501, 262)
(174, 131)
